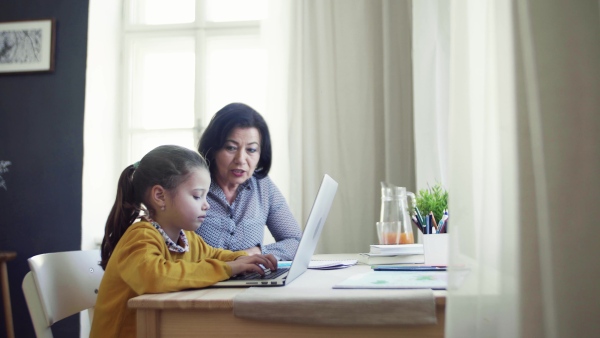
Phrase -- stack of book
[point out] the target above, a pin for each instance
(393, 254)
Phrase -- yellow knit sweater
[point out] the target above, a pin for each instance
(141, 263)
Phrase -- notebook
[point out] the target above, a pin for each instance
(306, 248)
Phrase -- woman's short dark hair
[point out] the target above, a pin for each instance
(235, 115)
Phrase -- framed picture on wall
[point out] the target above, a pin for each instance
(27, 46)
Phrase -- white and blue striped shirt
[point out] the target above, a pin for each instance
(240, 225)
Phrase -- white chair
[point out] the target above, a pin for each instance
(59, 285)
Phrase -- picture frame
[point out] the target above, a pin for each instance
(27, 46)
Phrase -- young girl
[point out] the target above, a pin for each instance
(160, 252)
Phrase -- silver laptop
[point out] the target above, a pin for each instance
(306, 248)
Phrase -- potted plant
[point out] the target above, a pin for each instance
(433, 199)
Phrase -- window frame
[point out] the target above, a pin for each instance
(201, 30)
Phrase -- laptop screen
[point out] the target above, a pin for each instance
(313, 228)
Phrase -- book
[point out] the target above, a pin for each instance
(380, 259)
(437, 280)
(404, 267)
(397, 249)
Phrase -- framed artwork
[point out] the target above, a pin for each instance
(27, 46)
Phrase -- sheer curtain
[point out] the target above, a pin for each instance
(350, 111)
(524, 163)
(431, 69)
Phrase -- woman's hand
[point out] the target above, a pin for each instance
(246, 264)
(255, 250)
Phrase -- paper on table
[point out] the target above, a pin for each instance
(322, 264)
(328, 265)
(437, 280)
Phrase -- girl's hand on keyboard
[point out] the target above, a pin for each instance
(247, 264)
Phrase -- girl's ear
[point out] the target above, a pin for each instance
(158, 197)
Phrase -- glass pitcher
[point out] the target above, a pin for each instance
(395, 209)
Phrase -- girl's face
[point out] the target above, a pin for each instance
(238, 158)
(186, 206)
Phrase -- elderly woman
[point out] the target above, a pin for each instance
(242, 197)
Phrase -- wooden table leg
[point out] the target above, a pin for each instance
(148, 323)
(4, 257)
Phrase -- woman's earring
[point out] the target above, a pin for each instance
(162, 208)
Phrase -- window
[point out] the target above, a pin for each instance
(183, 61)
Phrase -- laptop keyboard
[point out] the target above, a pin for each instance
(268, 275)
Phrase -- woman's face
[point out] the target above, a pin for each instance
(238, 158)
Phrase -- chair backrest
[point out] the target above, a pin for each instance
(59, 285)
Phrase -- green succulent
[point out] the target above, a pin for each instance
(434, 199)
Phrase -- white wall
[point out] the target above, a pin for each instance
(101, 135)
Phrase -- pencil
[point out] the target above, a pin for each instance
(414, 219)
(433, 221)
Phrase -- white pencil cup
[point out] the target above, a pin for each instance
(436, 249)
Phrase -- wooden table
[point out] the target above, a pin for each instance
(209, 312)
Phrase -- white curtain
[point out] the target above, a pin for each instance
(431, 69)
(350, 111)
(524, 168)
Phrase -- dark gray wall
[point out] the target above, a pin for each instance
(41, 133)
